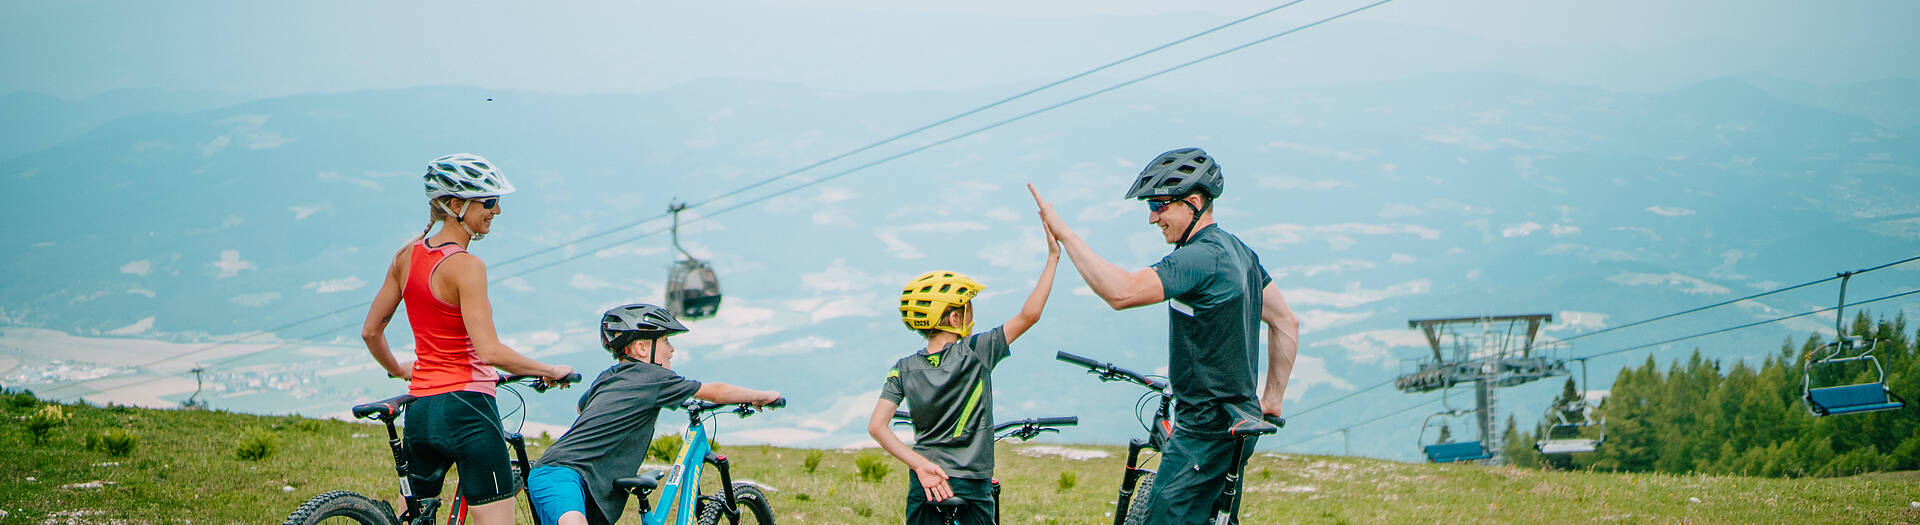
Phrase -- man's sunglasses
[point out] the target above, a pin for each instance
(1160, 206)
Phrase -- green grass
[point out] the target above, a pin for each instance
(185, 468)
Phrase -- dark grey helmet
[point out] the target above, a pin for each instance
(623, 325)
(1177, 173)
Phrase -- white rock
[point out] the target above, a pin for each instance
(1915, 504)
(1695, 500)
(107, 464)
(30, 478)
(286, 488)
(88, 485)
(358, 436)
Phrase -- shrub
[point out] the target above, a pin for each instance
(664, 447)
(813, 460)
(21, 399)
(40, 423)
(872, 467)
(256, 445)
(1067, 480)
(117, 442)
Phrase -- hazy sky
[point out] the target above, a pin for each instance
(81, 48)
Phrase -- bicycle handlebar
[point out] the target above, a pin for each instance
(695, 406)
(1109, 372)
(539, 384)
(1039, 422)
(390, 407)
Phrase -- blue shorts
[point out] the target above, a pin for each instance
(556, 491)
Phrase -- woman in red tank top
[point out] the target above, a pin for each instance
(455, 347)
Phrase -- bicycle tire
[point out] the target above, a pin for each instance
(748, 499)
(343, 504)
(1138, 508)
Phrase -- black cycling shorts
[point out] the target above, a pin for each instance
(977, 511)
(458, 428)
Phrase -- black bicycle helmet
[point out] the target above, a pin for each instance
(623, 325)
(1177, 173)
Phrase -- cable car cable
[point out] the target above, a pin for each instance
(1724, 303)
(813, 182)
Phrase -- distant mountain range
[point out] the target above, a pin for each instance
(184, 219)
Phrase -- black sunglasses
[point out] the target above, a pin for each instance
(1160, 206)
(489, 203)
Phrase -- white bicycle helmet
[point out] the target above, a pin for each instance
(466, 176)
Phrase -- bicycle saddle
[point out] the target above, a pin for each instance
(383, 409)
(949, 503)
(1249, 424)
(641, 484)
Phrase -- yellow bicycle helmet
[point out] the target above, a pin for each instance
(924, 299)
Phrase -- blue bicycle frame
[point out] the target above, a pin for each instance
(685, 475)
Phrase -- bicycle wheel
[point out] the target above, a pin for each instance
(747, 499)
(342, 507)
(1142, 491)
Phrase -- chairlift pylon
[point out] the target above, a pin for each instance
(1560, 435)
(1456, 451)
(1859, 398)
(693, 291)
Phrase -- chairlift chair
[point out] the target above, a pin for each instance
(1451, 452)
(1560, 436)
(1858, 398)
(693, 291)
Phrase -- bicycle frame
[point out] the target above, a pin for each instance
(417, 507)
(1160, 432)
(388, 410)
(682, 483)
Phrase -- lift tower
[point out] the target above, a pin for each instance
(1487, 352)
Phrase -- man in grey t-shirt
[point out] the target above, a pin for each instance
(1217, 295)
(572, 483)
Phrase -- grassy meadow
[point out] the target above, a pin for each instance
(185, 468)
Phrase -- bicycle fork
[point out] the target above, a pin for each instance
(1131, 477)
(725, 498)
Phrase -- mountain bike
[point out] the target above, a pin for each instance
(1136, 482)
(737, 503)
(357, 508)
(1022, 429)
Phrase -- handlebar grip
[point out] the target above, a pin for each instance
(1078, 360)
(777, 403)
(1057, 421)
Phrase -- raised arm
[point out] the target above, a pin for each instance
(1115, 285)
(469, 277)
(1283, 344)
(1036, 301)
(729, 394)
(932, 478)
(374, 331)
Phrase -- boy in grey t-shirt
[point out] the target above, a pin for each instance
(572, 483)
(948, 387)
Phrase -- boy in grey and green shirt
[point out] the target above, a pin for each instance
(948, 387)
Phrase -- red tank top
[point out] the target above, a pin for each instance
(444, 360)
